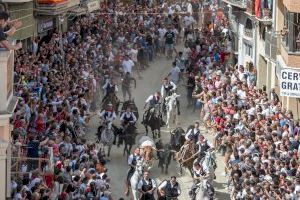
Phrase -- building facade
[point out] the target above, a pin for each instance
(266, 33)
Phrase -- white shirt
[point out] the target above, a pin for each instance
(188, 21)
(110, 116)
(147, 181)
(191, 131)
(130, 158)
(163, 88)
(149, 98)
(164, 184)
(128, 114)
(162, 33)
(127, 66)
(133, 54)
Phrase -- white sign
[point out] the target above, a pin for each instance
(94, 5)
(290, 83)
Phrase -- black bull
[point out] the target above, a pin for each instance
(164, 154)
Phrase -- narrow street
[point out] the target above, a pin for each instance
(151, 82)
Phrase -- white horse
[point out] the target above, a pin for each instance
(136, 177)
(204, 191)
(171, 106)
(209, 165)
(107, 138)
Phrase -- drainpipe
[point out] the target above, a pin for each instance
(255, 43)
(274, 15)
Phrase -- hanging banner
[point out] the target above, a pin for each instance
(290, 83)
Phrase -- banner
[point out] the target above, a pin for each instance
(290, 83)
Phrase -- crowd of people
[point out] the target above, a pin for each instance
(258, 137)
(57, 84)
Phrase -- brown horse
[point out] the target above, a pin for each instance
(186, 156)
(148, 156)
(113, 99)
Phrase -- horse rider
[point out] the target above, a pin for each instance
(128, 117)
(146, 187)
(199, 174)
(203, 146)
(108, 115)
(167, 88)
(132, 161)
(169, 189)
(153, 100)
(126, 85)
(193, 134)
(109, 87)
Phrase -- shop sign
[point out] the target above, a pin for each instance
(290, 83)
(45, 25)
(93, 5)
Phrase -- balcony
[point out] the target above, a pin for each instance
(292, 5)
(242, 4)
(291, 59)
(55, 7)
(262, 14)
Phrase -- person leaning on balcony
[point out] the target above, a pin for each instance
(4, 43)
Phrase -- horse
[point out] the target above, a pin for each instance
(164, 154)
(133, 107)
(127, 136)
(186, 156)
(171, 108)
(177, 138)
(106, 137)
(113, 99)
(204, 190)
(153, 119)
(208, 163)
(136, 177)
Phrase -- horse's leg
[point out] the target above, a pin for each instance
(108, 150)
(125, 149)
(129, 150)
(191, 172)
(146, 127)
(153, 133)
(168, 118)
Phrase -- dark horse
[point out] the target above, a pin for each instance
(164, 154)
(133, 107)
(127, 137)
(177, 138)
(153, 119)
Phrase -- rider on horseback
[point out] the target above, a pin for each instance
(132, 161)
(167, 89)
(128, 117)
(153, 100)
(203, 146)
(199, 175)
(109, 87)
(193, 134)
(108, 116)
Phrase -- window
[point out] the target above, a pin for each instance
(292, 38)
(248, 30)
(248, 49)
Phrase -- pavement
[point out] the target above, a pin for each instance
(117, 167)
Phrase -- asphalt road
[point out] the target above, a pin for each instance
(117, 167)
